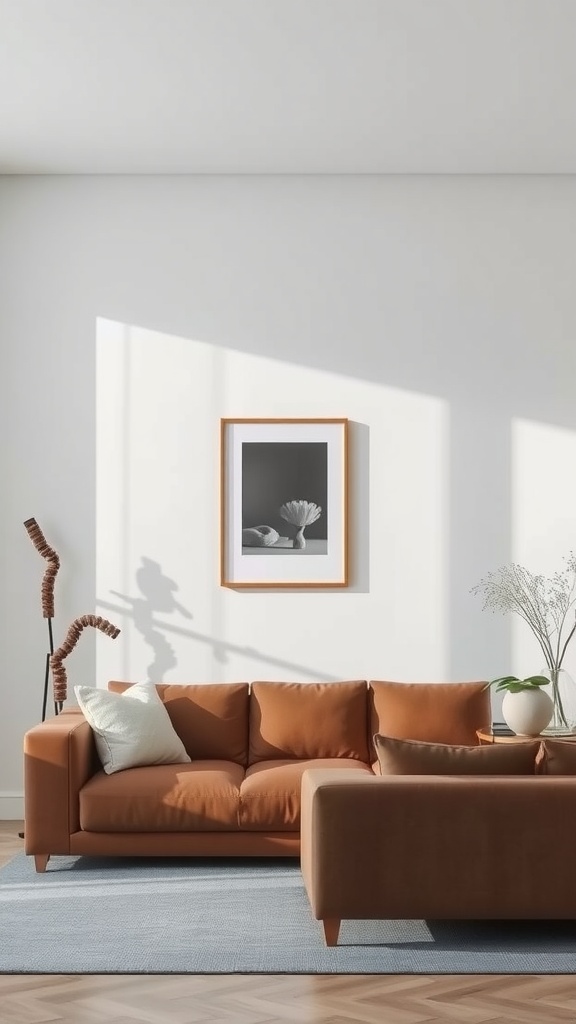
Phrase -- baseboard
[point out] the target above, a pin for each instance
(11, 806)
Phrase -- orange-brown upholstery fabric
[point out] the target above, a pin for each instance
(59, 756)
(202, 796)
(185, 844)
(211, 719)
(270, 793)
(308, 720)
(439, 846)
(414, 757)
(558, 757)
(434, 712)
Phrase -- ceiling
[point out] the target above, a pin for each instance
(288, 86)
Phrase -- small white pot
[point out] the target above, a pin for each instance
(527, 712)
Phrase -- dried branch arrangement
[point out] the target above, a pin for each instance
(40, 543)
(54, 659)
(547, 605)
(72, 636)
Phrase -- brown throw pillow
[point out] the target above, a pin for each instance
(414, 757)
(558, 757)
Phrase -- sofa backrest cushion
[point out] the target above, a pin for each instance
(211, 719)
(413, 757)
(308, 720)
(433, 712)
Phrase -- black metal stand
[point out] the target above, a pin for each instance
(46, 677)
(57, 704)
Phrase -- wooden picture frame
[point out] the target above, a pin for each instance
(284, 503)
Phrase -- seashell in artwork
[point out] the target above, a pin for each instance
(259, 536)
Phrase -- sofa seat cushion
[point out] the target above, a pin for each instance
(199, 797)
(270, 792)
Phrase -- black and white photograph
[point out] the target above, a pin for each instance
(284, 498)
(284, 502)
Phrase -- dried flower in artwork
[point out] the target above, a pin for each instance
(300, 513)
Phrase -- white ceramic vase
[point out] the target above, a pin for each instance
(528, 711)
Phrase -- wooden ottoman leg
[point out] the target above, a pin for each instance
(331, 927)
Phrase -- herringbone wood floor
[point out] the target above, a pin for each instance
(279, 999)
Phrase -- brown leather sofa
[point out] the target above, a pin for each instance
(250, 745)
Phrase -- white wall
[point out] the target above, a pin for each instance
(438, 314)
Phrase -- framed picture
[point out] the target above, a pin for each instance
(284, 503)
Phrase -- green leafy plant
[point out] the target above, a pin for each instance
(515, 685)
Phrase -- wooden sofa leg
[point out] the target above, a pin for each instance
(331, 927)
(41, 860)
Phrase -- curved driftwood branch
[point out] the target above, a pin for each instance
(39, 541)
(74, 631)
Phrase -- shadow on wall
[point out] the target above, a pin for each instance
(158, 596)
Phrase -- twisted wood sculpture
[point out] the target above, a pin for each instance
(39, 541)
(74, 630)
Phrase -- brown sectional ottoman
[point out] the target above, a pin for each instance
(437, 847)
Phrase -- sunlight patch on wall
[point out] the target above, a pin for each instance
(543, 519)
(159, 403)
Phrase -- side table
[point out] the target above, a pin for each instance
(487, 736)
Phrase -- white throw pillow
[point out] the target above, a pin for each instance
(131, 728)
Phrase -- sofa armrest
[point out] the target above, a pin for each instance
(59, 757)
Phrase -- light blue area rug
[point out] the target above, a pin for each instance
(239, 916)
